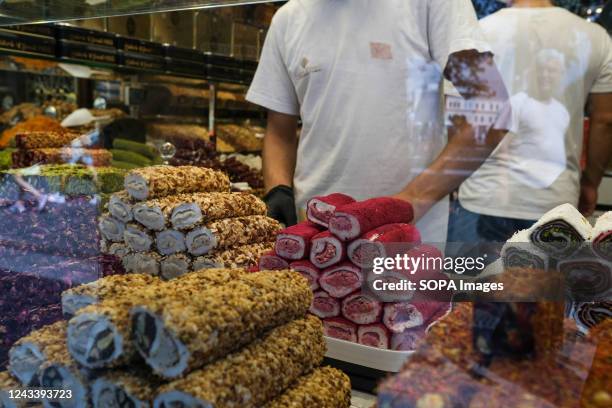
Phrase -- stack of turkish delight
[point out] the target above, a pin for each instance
(172, 220)
(45, 147)
(217, 337)
(334, 249)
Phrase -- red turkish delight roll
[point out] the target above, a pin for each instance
(340, 328)
(352, 220)
(373, 335)
(341, 280)
(361, 308)
(293, 243)
(371, 245)
(272, 262)
(326, 250)
(407, 340)
(324, 306)
(401, 316)
(309, 271)
(320, 209)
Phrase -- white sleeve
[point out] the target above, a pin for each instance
(272, 86)
(453, 27)
(603, 83)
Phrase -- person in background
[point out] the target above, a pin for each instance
(365, 79)
(553, 64)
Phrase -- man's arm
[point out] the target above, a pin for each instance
(462, 155)
(279, 157)
(599, 151)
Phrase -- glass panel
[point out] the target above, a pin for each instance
(32, 11)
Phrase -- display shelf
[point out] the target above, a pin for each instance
(45, 11)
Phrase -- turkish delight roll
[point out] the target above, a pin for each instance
(371, 245)
(361, 308)
(561, 231)
(243, 256)
(352, 220)
(137, 237)
(519, 252)
(587, 278)
(320, 209)
(30, 352)
(373, 335)
(79, 297)
(272, 262)
(174, 266)
(231, 232)
(309, 271)
(160, 181)
(602, 236)
(91, 157)
(118, 249)
(42, 139)
(144, 263)
(120, 206)
(60, 372)
(402, 315)
(340, 328)
(154, 214)
(8, 383)
(124, 389)
(342, 279)
(254, 375)
(207, 207)
(111, 229)
(325, 387)
(176, 337)
(293, 242)
(590, 314)
(324, 305)
(170, 242)
(326, 250)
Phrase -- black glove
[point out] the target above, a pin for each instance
(281, 205)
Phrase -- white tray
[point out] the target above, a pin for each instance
(371, 357)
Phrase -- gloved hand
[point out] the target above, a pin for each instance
(281, 205)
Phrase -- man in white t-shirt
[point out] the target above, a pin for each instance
(552, 63)
(364, 77)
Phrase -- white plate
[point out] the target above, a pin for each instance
(371, 357)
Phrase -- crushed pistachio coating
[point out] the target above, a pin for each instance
(243, 256)
(232, 232)
(259, 372)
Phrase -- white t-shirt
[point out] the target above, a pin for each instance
(539, 52)
(365, 78)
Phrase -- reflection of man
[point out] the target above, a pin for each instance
(537, 166)
(364, 78)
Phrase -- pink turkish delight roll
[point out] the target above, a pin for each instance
(326, 250)
(341, 280)
(272, 262)
(324, 306)
(371, 245)
(320, 209)
(293, 243)
(361, 308)
(340, 328)
(373, 335)
(309, 271)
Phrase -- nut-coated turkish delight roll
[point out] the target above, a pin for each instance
(144, 263)
(173, 266)
(137, 237)
(324, 305)
(373, 335)
(112, 286)
(176, 337)
(161, 181)
(118, 249)
(254, 375)
(371, 245)
(340, 328)
(325, 387)
(170, 242)
(91, 157)
(361, 308)
(602, 236)
(342, 279)
(519, 252)
(120, 206)
(587, 278)
(309, 271)
(111, 229)
(352, 220)
(207, 207)
(154, 214)
(42, 139)
(8, 383)
(326, 250)
(293, 242)
(590, 314)
(561, 231)
(320, 209)
(30, 352)
(272, 262)
(243, 256)
(60, 372)
(231, 232)
(124, 389)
